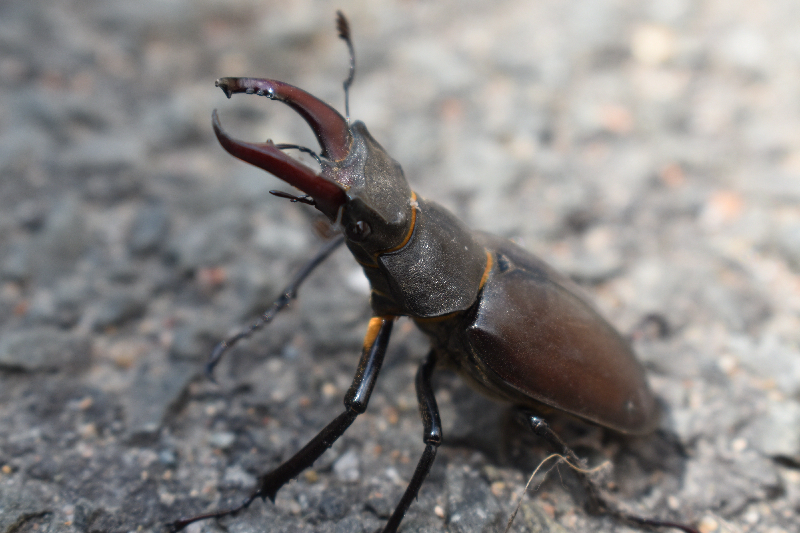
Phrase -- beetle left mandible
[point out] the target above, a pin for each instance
(509, 324)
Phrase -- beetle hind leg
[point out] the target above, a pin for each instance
(596, 503)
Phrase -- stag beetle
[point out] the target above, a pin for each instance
(509, 324)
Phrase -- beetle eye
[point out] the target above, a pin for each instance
(358, 231)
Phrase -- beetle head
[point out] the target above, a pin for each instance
(360, 185)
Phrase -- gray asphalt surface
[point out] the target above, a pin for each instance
(649, 150)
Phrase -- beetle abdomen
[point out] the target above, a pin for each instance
(546, 343)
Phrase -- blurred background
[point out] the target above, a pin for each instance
(650, 150)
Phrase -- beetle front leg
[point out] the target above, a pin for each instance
(355, 401)
(431, 436)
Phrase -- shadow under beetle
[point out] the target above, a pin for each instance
(514, 328)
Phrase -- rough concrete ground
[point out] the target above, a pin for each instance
(649, 149)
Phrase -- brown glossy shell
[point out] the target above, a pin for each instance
(534, 331)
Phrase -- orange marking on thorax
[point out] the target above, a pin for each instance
(489, 265)
(410, 229)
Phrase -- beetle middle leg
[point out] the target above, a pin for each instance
(431, 436)
(355, 401)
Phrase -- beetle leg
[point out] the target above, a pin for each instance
(542, 429)
(597, 504)
(431, 436)
(355, 401)
(288, 294)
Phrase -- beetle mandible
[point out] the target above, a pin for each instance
(509, 324)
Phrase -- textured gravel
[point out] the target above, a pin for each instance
(651, 150)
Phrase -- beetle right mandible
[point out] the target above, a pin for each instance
(513, 327)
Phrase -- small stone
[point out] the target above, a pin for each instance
(43, 349)
(708, 525)
(61, 307)
(20, 504)
(349, 524)
(149, 229)
(57, 248)
(222, 439)
(46, 469)
(789, 244)
(346, 467)
(652, 44)
(117, 310)
(211, 242)
(333, 506)
(31, 215)
(534, 514)
(776, 433)
(16, 265)
(472, 505)
(160, 387)
(236, 476)
(104, 153)
(168, 457)
(194, 341)
(380, 504)
(745, 48)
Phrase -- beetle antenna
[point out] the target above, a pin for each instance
(305, 199)
(303, 149)
(344, 33)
